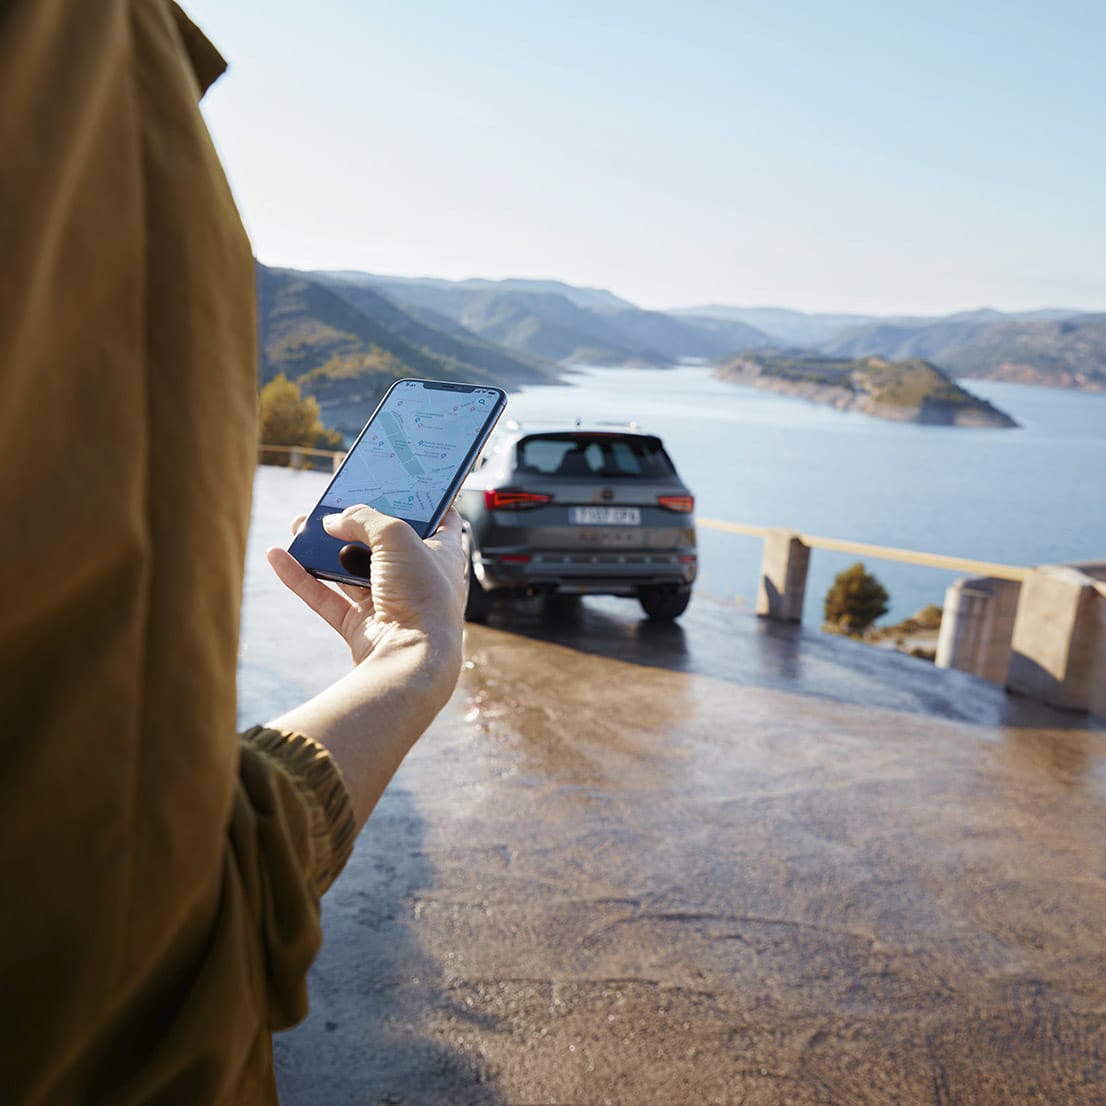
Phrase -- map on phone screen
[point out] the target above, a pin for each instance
(405, 459)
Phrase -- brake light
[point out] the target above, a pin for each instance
(681, 504)
(496, 500)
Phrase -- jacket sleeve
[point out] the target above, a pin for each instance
(291, 833)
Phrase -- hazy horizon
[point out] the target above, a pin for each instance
(690, 306)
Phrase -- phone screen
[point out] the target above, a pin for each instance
(409, 462)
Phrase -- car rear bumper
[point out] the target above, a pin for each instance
(581, 573)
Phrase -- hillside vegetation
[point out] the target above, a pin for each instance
(344, 352)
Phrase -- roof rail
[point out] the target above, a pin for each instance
(579, 422)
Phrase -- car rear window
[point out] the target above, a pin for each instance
(604, 455)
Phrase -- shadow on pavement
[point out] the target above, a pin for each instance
(376, 996)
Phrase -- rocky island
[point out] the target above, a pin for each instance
(906, 391)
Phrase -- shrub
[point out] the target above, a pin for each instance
(289, 418)
(929, 617)
(855, 601)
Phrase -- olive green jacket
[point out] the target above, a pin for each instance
(161, 876)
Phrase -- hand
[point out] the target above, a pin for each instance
(417, 587)
(405, 633)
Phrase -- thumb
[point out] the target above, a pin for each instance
(380, 532)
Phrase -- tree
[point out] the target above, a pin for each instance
(855, 600)
(288, 418)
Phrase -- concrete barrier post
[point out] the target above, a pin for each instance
(977, 624)
(336, 461)
(1058, 644)
(963, 620)
(1098, 683)
(783, 572)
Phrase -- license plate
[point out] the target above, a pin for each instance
(606, 516)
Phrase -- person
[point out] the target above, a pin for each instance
(162, 874)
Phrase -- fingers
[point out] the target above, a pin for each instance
(360, 523)
(415, 583)
(447, 541)
(324, 601)
(355, 593)
(297, 523)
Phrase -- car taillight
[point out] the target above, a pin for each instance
(496, 500)
(682, 504)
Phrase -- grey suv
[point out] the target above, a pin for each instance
(578, 512)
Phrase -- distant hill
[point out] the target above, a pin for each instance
(351, 326)
(1049, 346)
(1035, 348)
(905, 391)
(345, 349)
(782, 325)
(438, 334)
(1066, 353)
(556, 321)
(593, 299)
(553, 320)
(538, 323)
(900, 339)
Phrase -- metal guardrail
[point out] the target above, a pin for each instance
(884, 552)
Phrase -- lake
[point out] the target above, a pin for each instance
(1033, 495)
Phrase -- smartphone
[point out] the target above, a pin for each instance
(409, 462)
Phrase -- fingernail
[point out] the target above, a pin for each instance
(331, 520)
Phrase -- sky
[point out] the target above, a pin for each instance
(872, 157)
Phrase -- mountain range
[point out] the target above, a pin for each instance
(559, 322)
(345, 335)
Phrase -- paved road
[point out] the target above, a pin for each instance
(722, 862)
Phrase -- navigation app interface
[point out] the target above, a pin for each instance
(403, 463)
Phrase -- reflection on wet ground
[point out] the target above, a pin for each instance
(721, 862)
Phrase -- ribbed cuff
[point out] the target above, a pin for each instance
(319, 781)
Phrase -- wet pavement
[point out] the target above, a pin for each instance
(720, 862)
